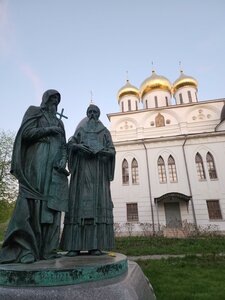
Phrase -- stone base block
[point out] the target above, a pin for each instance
(132, 285)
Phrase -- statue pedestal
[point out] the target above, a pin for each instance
(81, 277)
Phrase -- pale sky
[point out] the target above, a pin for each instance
(81, 46)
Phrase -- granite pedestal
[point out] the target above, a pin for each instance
(69, 278)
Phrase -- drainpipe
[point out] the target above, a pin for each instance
(149, 187)
(189, 183)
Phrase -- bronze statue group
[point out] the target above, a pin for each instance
(39, 161)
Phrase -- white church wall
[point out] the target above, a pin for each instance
(131, 193)
(207, 189)
(184, 92)
(156, 98)
(129, 103)
(164, 150)
(169, 140)
(221, 126)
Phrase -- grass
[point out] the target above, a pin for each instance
(135, 246)
(189, 278)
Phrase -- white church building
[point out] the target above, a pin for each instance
(170, 156)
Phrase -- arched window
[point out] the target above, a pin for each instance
(189, 96)
(211, 166)
(129, 105)
(181, 98)
(122, 106)
(134, 172)
(125, 172)
(196, 96)
(146, 103)
(156, 101)
(200, 167)
(167, 102)
(172, 169)
(136, 103)
(161, 170)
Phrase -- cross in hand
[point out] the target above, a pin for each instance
(61, 115)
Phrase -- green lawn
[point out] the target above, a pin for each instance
(135, 246)
(190, 278)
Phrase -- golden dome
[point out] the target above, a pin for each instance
(127, 89)
(184, 80)
(155, 82)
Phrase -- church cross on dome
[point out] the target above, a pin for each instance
(181, 69)
(153, 69)
(91, 102)
(127, 77)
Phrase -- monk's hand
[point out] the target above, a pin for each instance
(83, 148)
(55, 130)
(62, 164)
(106, 152)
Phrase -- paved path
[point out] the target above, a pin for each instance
(166, 256)
(155, 256)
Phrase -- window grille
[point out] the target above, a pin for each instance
(132, 212)
(199, 167)
(125, 172)
(134, 171)
(214, 210)
(161, 170)
(172, 169)
(211, 166)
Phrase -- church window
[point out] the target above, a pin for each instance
(167, 102)
(129, 105)
(181, 98)
(214, 210)
(146, 103)
(172, 169)
(156, 101)
(200, 167)
(161, 170)
(189, 96)
(134, 171)
(132, 212)
(125, 172)
(196, 96)
(122, 107)
(136, 105)
(211, 166)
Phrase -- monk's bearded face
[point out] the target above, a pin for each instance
(93, 114)
(52, 103)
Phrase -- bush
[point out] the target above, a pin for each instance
(6, 209)
(3, 227)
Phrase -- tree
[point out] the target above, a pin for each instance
(8, 183)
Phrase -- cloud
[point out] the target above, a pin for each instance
(34, 79)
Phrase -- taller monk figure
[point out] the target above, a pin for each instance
(38, 162)
(88, 224)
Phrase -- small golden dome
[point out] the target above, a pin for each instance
(184, 80)
(155, 82)
(127, 89)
